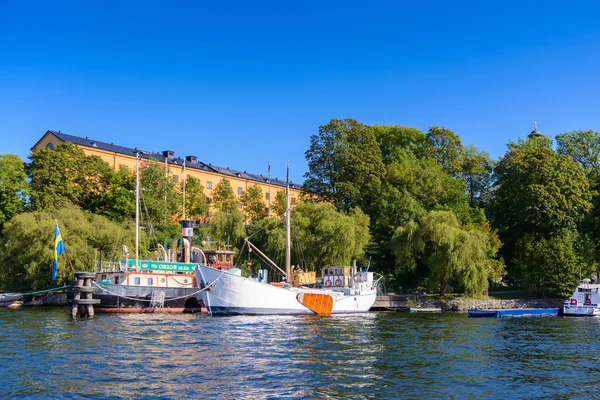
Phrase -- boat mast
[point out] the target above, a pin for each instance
(137, 211)
(288, 254)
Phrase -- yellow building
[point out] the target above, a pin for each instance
(209, 175)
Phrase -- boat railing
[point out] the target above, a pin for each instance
(108, 266)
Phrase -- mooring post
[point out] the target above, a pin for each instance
(83, 303)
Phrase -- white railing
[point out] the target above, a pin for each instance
(108, 266)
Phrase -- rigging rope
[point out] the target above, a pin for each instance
(45, 291)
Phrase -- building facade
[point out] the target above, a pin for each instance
(119, 157)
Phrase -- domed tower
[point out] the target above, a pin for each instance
(535, 132)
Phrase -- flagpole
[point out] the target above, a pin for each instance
(137, 210)
(183, 205)
(66, 252)
(269, 186)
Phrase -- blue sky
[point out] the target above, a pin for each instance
(239, 83)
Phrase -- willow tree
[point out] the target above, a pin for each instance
(227, 224)
(27, 246)
(452, 255)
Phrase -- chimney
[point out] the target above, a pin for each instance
(191, 159)
(169, 154)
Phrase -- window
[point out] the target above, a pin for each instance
(124, 167)
(293, 200)
(209, 185)
(137, 280)
(208, 200)
(175, 178)
(116, 280)
(240, 190)
(228, 257)
(220, 257)
(268, 196)
(239, 205)
(149, 281)
(50, 146)
(162, 280)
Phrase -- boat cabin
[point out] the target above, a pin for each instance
(219, 259)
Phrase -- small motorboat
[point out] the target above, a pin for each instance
(585, 300)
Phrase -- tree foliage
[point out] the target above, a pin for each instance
(345, 165)
(254, 208)
(280, 203)
(27, 246)
(14, 187)
(223, 197)
(195, 200)
(228, 226)
(67, 174)
(159, 199)
(582, 146)
(450, 254)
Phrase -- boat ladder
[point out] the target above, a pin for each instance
(158, 299)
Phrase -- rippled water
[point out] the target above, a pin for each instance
(377, 355)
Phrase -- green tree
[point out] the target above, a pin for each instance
(345, 165)
(451, 254)
(223, 197)
(159, 199)
(280, 203)
(119, 197)
(254, 209)
(476, 171)
(195, 200)
(582, 146)
(14, 187)
(228, 226)
(399, 142)
(27, 246)
(322, 235)
(539, 195)
(446, 148)
(67, 174)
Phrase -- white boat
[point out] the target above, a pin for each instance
(232, 294)
(229, 293)
(585, 300)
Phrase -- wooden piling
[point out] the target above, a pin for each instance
(83, 306)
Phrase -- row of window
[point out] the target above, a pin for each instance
(138, 281)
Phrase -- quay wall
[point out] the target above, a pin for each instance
(403, 302)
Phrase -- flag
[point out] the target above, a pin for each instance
(59, 248)
(269, 169)
(183, 167)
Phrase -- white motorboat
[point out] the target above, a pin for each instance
(585, 300)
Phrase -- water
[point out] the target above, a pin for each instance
(378, 355)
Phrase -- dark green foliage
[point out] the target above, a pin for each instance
(159, 199)
(195, 200)
(14, 187)
(345, 165)
(223, 197)
(66, 174)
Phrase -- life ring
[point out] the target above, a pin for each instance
(328, 283)
(573, 302)
(587, 302)
(338, 282)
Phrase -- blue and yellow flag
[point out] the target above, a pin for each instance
(59, 248)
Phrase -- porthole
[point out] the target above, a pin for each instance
(162, 280)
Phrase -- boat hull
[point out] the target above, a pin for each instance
(581, 311)
(232, 294)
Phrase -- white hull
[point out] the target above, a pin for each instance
(581, 311)
(233, 294)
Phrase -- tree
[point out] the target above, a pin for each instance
(254, 209)
(14, 187)
(399, 142)
(228, 226)
(280, 203)
(446, 148)
(476, 171)
(27, 246)
(582, 146)
(451, 254)
(223, 197)
(159, 200)
(325, 236)
(345, 164)
(195, 200)
(540, 195)
(67, 174)
(119, 197)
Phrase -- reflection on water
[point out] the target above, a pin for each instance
(376, 355)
